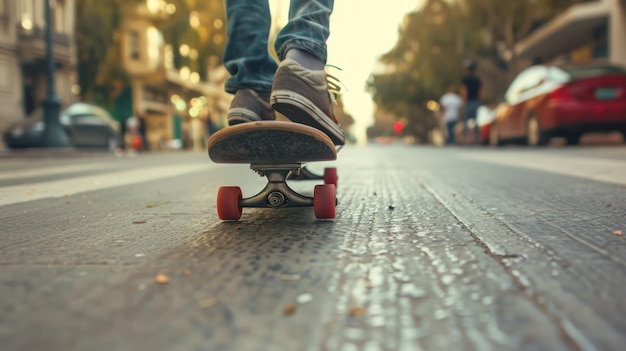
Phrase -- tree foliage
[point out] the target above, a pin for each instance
(98, 57)
(435, 40)
(98, 34)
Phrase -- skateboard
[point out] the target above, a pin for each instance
(278, 151)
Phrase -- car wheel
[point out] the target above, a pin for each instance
(111, 143)
(534, 135)
(494, 135)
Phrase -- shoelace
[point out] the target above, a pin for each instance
(334, 84)
(334, 90)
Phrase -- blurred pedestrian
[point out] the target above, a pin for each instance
(471, 92)
(142, 132)
(451, 103)
(297, 86)
(134, 141)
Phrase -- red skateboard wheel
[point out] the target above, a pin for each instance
(324, 201)
(228, 203)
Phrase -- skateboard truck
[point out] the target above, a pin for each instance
(278, 151)
(304, 174)
(277, 194)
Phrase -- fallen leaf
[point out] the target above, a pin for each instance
(156, 204)
(357, 311)
(618, 233)
(206, 303)
(186, 272)
(289, 309)
(140, 221)
(162, 278)
(238, 227)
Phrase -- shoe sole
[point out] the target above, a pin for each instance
(301, 110)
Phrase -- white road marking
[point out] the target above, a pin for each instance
(64, 187)
(603, 170)
(53, 170)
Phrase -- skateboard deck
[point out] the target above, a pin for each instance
(277, 150)
(270, 142)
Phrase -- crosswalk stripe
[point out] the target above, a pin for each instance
(64, 187)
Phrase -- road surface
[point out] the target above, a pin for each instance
(432, 249)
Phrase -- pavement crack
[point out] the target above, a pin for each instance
(519, 281)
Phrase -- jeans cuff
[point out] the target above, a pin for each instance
(313, 48)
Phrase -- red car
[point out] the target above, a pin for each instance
(567, 101)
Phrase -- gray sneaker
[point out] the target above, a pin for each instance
(249, 106)
(303, 96)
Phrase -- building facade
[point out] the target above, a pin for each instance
(588, 30)
(23, 56)
(177, 107)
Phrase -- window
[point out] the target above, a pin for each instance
(27, 17)
(525, 81)
(133, 38)
(59, 15)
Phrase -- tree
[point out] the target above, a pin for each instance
(502, 24)
(434, 41)
(421, 65)
(201, 25)
(101, 74)
(97, 23)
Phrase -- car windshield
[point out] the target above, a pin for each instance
(593, 71)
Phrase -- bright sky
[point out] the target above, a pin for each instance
(360, 32)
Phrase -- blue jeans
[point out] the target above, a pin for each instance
(248, 26)
(450, 128)
(471, 110)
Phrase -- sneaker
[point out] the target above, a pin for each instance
(303, 96)
(249, 106)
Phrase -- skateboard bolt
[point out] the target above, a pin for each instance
(276, 199)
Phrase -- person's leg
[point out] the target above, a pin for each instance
(450, 128)
(465, 122)
(476, 133)
(307, 29)
(300, 90)
(246, 56)
(248, 61)
(474, 105)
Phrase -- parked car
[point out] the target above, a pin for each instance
(567, 101)
(86, 125)
(484, 118)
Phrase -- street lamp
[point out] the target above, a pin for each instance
(53, 133)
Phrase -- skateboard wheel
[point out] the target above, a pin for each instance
(324, 201)
(330, 176)
(228, 208)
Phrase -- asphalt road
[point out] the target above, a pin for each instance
(432, 249)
